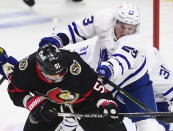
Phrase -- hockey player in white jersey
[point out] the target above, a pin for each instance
(162, 78)
(109, 26)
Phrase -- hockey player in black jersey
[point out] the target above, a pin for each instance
(54, 80)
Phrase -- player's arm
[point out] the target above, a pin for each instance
(119, 63)
(80, 30)
(77, 31)
(88, 26)
(40, 108)
(17, 95)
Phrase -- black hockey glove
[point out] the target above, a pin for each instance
(110, 109)
(41, 109)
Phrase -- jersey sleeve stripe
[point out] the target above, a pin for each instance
(167, 92)
(123, 57)
(72, 34)
(121, 65)
(133, 74)
(76, 31)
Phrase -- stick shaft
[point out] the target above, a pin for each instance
(2, 80)
(127, 95)
(138, 114)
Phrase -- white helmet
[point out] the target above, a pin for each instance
(128, 13)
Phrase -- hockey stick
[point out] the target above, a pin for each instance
(138, 114)
(2, 80)
(126, 94)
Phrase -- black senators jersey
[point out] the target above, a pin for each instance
(79, 84)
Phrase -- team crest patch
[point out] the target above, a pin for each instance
(23, 64)
(75, 68)
(62, 96)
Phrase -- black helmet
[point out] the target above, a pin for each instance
(51, 60)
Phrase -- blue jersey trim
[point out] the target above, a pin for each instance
(83, 53)
(123, 57)
(72, 33)
(167, 92)
(121, 65)
(76, 31)
(133, 74)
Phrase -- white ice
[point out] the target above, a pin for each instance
(22, 27)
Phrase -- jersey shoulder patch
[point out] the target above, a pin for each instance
(23, 63)
(75, 68)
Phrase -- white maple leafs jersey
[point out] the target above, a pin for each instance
(161, 75)
(128, 61)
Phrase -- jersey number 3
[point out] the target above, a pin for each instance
(88, 21)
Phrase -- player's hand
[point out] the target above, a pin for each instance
(41, 109)
(110, 109)
(6, 63)
(104, 71)
(54, 40)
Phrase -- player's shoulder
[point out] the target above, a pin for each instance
(26, 62)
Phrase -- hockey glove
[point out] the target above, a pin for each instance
(54, 40)
(6, 63)
(104, 71)
(41, 109)
(110, 109)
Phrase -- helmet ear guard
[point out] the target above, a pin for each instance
(51, 60)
